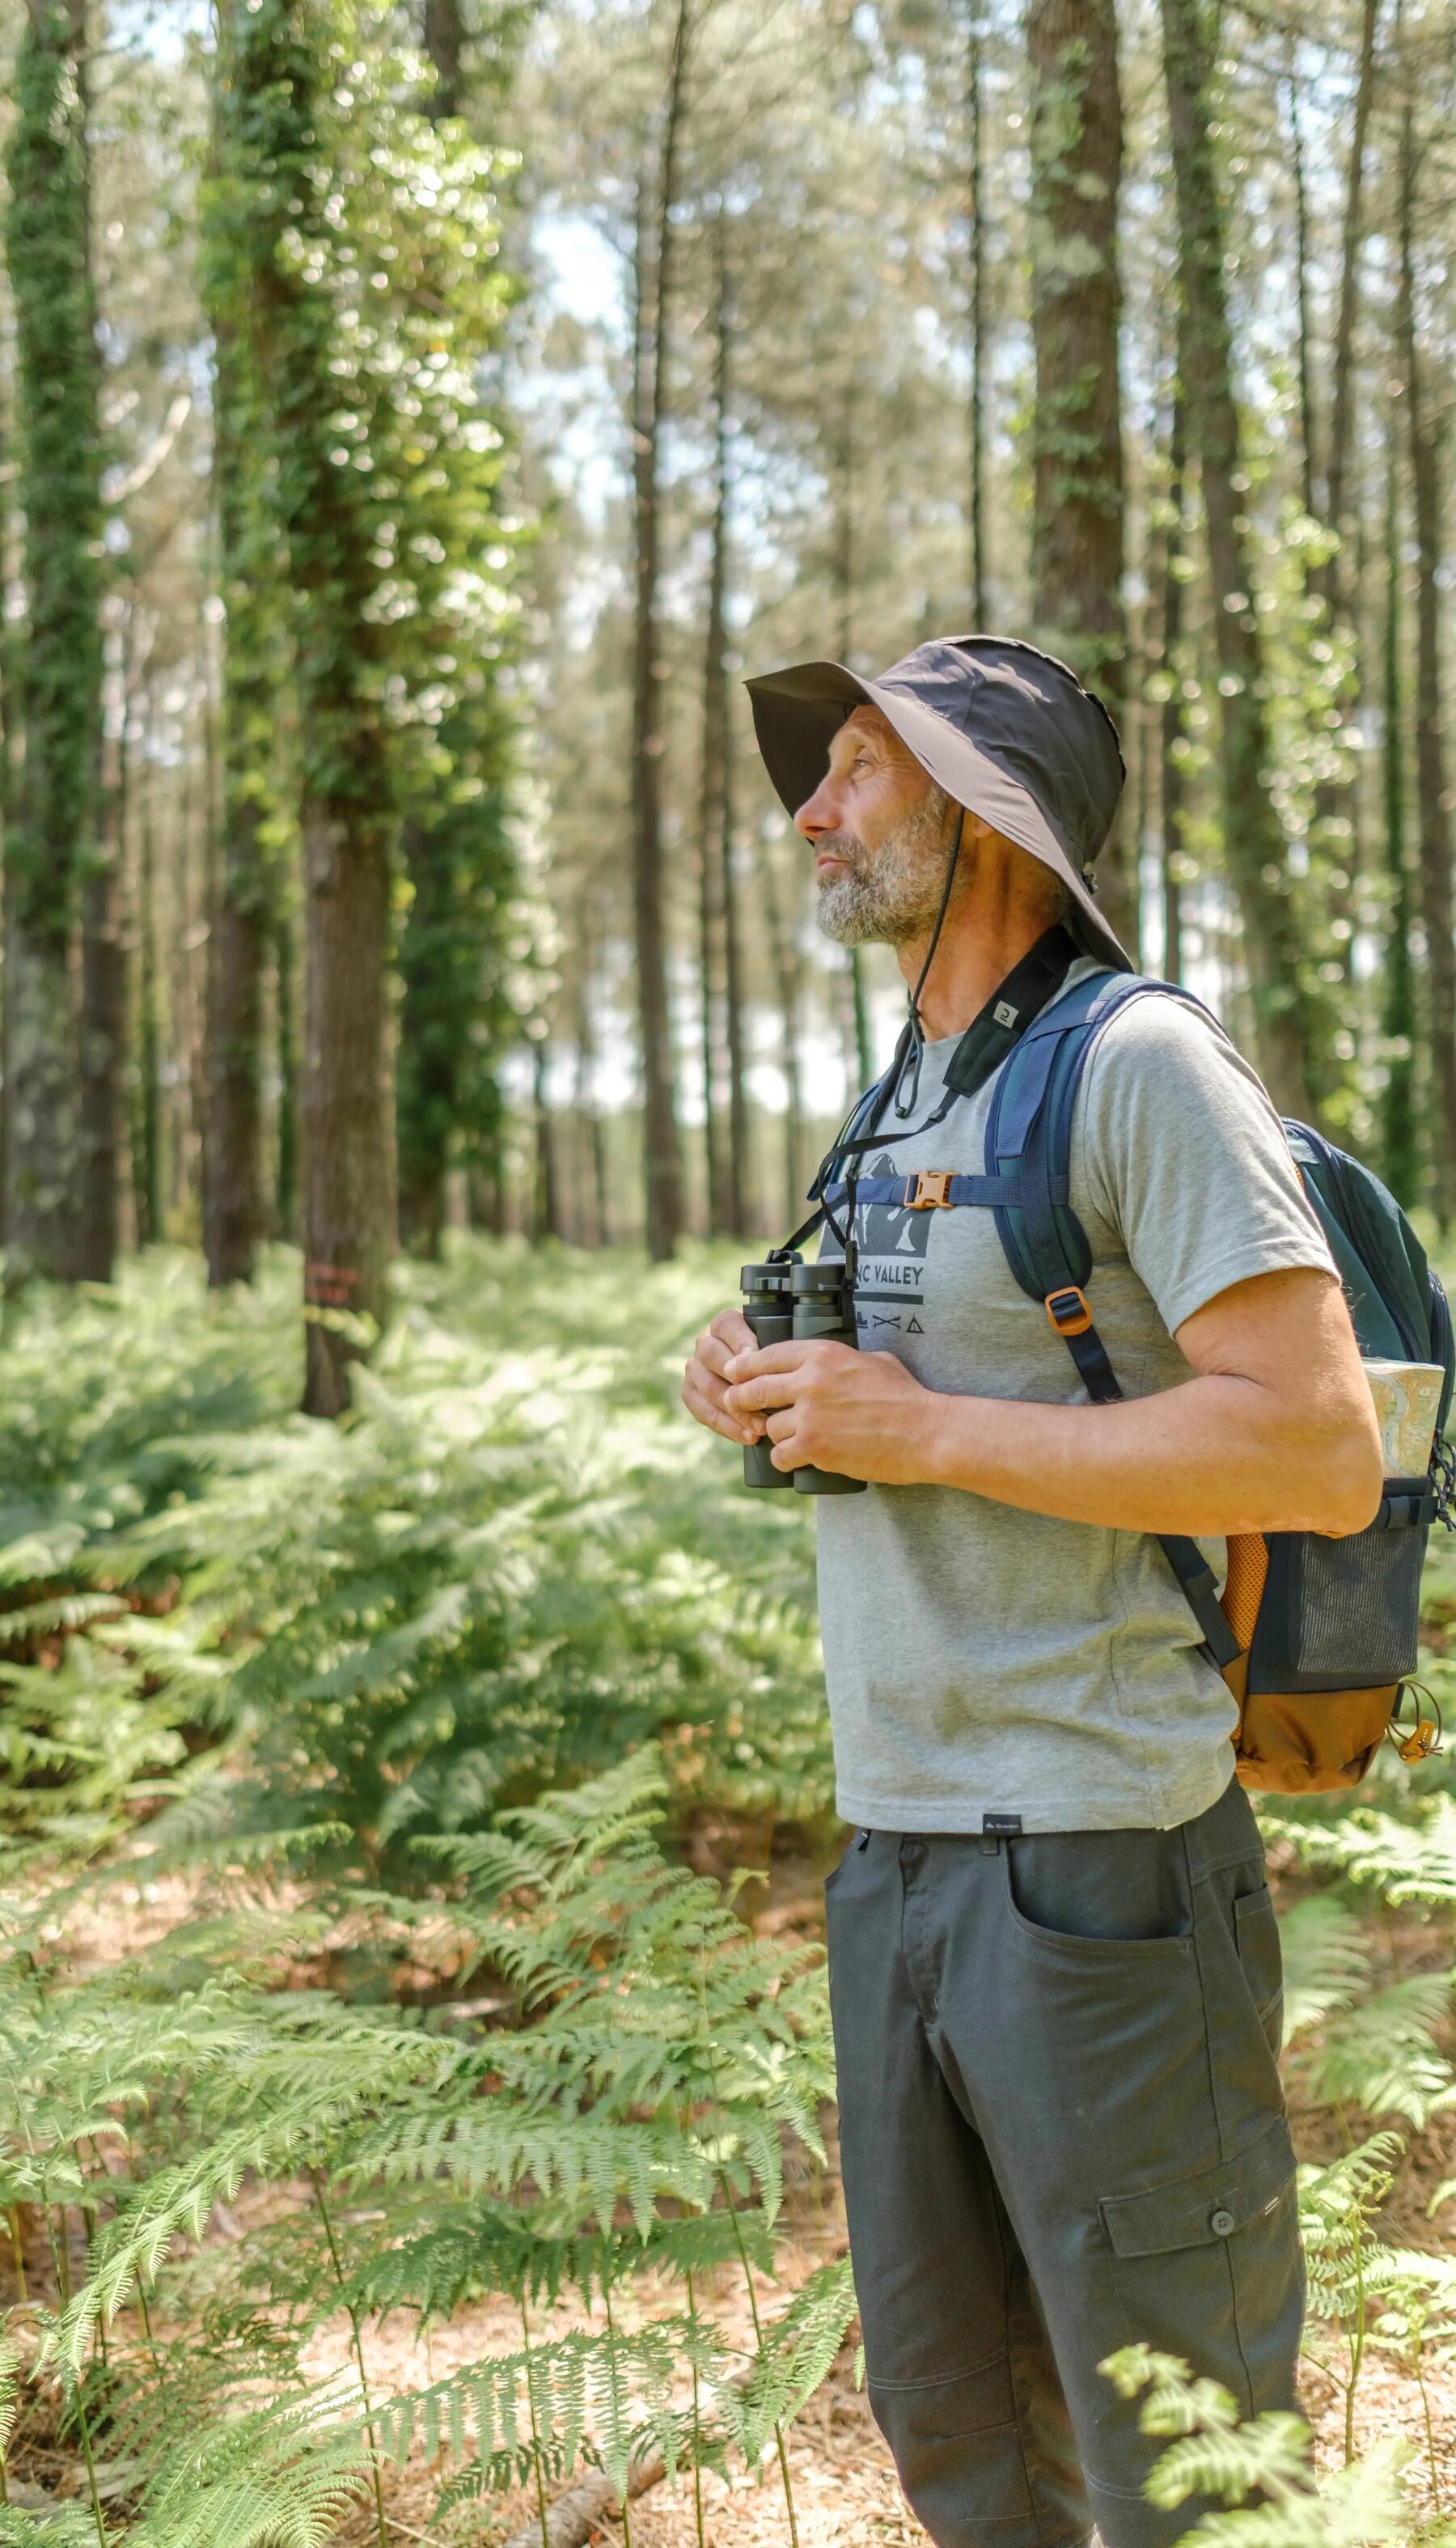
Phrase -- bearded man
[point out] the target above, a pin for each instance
(1054, 1962)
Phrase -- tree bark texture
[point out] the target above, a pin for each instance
(1333, 796)
(844, 605)
(653, 277)
(1170, 723)
(102, 1060)
(285, 1028)
(444, 42)
(1433, 827)
(976, 244)
(546, 1185)
(1301, 294)
(238, 937)
(343, 1110)
(741, 1205)
(717, 1128)
(1400, 1141)
(1342, 379)
(786, 963)
(146, 1114)
(1077, 556)
(427, 1049)
(346, 794)
(50, 838)
(1254, 848)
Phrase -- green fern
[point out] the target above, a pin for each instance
(1217, 2454)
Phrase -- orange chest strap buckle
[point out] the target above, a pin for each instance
(1069, 1311)
(929, 1190)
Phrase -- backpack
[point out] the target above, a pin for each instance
(1317, 1637)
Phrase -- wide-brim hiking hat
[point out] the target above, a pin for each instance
(1007, 731)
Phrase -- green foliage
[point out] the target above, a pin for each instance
(1212, 2452)
(512, 1564)
(612, 2127)
(48, 830)
(352, 278)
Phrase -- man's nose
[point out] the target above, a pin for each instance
(818, 813)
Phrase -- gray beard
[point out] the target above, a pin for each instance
(891, 893)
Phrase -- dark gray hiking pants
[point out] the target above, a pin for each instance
(1062, 2131)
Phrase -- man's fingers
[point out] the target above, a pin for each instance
(784, 1357)
(734, 1428)
(712, 1354)
(765, 1389)
(731, 1329)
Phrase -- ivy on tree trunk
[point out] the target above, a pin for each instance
(50, 850)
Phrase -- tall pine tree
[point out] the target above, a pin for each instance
(50, 838)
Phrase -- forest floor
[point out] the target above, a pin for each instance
(844, 2485)
(845, 2489)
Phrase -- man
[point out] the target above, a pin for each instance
(1055, 1971)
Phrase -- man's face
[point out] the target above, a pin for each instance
(881, 831)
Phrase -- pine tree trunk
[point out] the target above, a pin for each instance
(1302, 294)
(742, 1204)
(1433, 829)
(102, 1056)
(59, 695)
(979, 567)
(1170, 723)
(1077, 554)
(428, 1076)
(237, 938)
(344, 1108)
(147, 1135)
(844, 605)
(717, 1132)
(1254, 848)
(444, 43)
(545, 1190)
(1342, 381)
(652, 278)
(787, 967)
(1336, 800)
(285, 1027)
(102, 1013)
(1400, 1147)
(347, 812)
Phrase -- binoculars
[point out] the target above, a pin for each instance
(785, 1299)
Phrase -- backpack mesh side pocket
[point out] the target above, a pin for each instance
(1341, 1615)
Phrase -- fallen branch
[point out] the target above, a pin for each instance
(577, 2516)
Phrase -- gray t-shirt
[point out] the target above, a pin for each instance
(984, 1660)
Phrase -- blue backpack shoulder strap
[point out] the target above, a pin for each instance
(1029, 1142)
(1029, 1135)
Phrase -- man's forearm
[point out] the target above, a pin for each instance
(1215, 1455)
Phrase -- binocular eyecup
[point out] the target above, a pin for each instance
(785, 1299)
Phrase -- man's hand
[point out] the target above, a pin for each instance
(705, 1378)
(859, 1414)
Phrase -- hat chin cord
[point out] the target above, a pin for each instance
(906, 1097)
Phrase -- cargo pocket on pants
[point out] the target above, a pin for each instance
(1209, 2267)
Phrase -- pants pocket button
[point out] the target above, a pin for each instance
(1222, 2224)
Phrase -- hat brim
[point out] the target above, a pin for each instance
(797, 713)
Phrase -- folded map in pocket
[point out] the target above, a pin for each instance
(1408, 1395)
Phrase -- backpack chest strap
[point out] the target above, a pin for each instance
(934, 1190)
